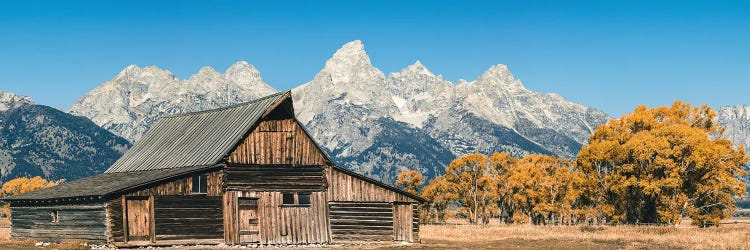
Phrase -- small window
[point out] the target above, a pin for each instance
(304, 199)
(199, 184)
(289, 199)
(53, 217)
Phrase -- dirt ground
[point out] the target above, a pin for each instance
(684, 236)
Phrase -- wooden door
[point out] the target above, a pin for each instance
(403, 216)
(248, 224)
(139, 218)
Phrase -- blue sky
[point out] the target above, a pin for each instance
(612, 55)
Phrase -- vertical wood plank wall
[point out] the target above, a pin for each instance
(281, 224)
(184, 186)
(345, 187)
(277, 142)
(403, 222)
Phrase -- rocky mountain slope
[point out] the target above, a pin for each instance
(37, 140)
(736, 120)
(493, 113)
(137, 97)
(412, 119)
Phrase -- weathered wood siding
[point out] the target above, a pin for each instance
(181, 186)
(188, 217)
(184, 186)
(281, 224)
(415, 222)
(277, 142)
(115, 220)
(403, 219)
(277, 178)
(371, 221)
(345, 187)
(75, 222)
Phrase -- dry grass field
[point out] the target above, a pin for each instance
(684, 236)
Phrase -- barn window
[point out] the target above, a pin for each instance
(199, 184)
(53, 217)
(304, 199)
(289, 199)
(296, 199)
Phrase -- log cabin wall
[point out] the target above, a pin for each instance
(362, 221)
(278, 178)
(84, 221)
(279, 223)
(182, 217)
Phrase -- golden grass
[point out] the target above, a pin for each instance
(586, 237)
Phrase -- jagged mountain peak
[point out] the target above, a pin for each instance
(137, 97)
(133, 70)
(417, 68)
(500, 76)
(208, 70)
(241, 66)
(351, 55)
(246, 75)
(10, 100)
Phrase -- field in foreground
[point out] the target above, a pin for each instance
(730, 236)
(578, 237)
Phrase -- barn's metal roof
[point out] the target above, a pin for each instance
(102, 185)
(192, 139)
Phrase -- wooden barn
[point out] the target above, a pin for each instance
(248, 173)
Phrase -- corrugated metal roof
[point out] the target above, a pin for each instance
(192, 139)
(108, 183)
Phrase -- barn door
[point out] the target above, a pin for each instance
(402, 222)
(139, 218)
(249, 229)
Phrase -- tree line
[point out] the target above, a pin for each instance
(653, 165)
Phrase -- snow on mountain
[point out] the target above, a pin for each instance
(137, 97)
(493, 113)
(10, 101)
(736, 120)
(370, 123)
(37, 140)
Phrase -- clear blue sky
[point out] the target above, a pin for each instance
(612, 55)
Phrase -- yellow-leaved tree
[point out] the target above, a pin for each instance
(468, 179)
(439, 195)
(410, 181)
(23, 185)
(656, 165)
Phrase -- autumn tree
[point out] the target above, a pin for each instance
(23, 185)
(660, 164)
(439, 194)
(467, 176)
(499, 169)
(410, 181)
(541, 189)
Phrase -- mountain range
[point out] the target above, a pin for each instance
(371, 122)
(412, 119)
(37, 140)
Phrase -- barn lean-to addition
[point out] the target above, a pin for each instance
(248, 173)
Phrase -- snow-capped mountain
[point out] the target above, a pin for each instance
(736, 120)
(368, 121)
(137, 97)
(10, 101)
(493, 113)
(37, 140)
